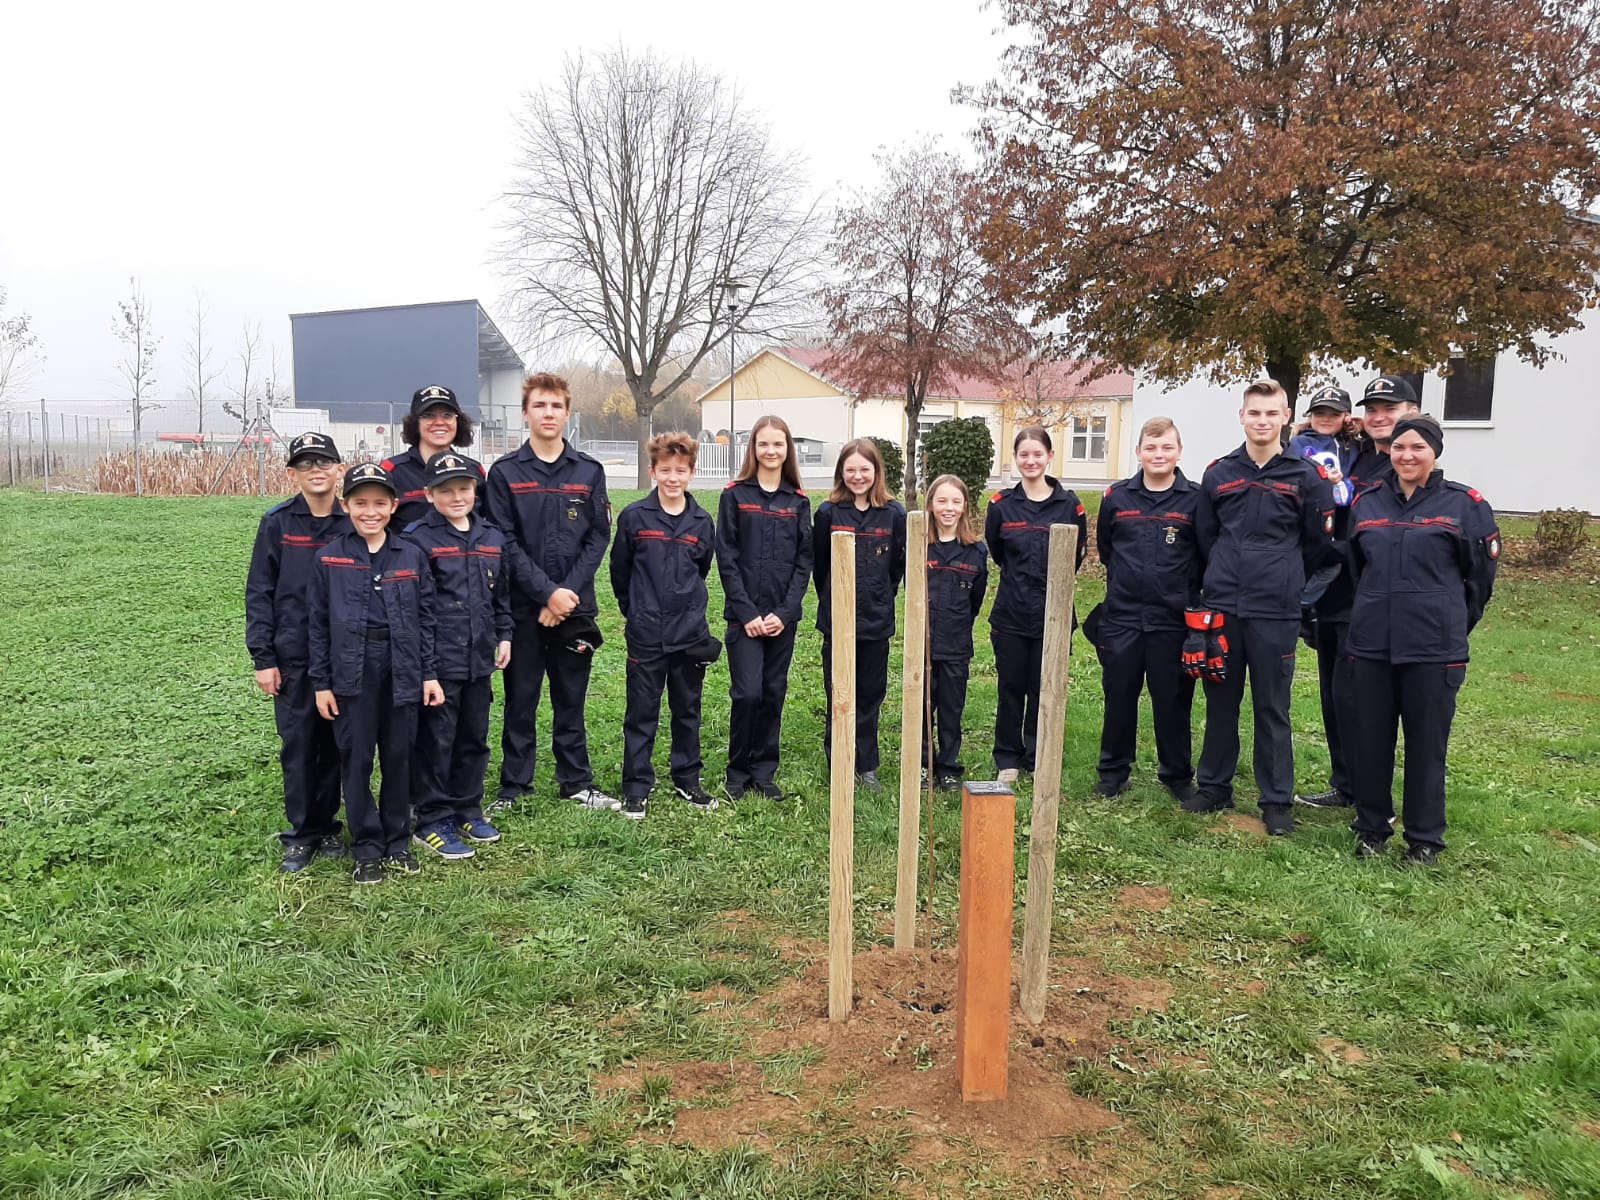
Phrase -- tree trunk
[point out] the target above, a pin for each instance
(641, 430)
(913, 418)
(1285, 368)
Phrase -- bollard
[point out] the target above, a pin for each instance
(983, 967)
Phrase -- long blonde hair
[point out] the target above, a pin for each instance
(966, 534)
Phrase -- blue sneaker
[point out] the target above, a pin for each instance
(442, 840)
(476, 829)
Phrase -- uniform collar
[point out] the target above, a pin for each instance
(1056, 489)
(1180, 483)
(653, 500)
(526, 453)
(1431, 483)
(1243, 455)
(783, 485)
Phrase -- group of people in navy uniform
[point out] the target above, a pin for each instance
(378, 624)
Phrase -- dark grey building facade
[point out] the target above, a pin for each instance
(363, 364)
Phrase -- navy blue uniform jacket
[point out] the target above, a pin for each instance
(472, 573)
(1262, 531)
(409, 471)
(1151, 553)
(763, 551)
(343, 581)
(559, 515)
(880, 564)
(659, 564)
(1424, 570)
(1018, 533)
(958, 577)
(280, 571)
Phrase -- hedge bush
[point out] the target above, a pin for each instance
(962, 447)
(894, 465)
(1560, 533)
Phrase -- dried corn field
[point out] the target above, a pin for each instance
(191, 473)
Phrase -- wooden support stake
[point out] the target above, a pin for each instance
(1047, 773)
(842, 780)
(983, 967)
(912, 758)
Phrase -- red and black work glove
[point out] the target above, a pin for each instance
(1197, 620)
(1216, 668)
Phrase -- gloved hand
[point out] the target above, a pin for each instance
(1197, 620)
(1216, 668)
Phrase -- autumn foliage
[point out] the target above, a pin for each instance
(1223, 185)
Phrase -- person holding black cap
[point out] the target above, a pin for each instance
(435, 424)
(1423, 551)
(472, 571)
(278, 638)
(370, 609)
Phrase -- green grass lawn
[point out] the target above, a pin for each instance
(179, 1020)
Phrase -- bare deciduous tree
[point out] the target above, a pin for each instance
(642, 188)
(19, 351)
(134, 330)
(249, 353)
(197, 362)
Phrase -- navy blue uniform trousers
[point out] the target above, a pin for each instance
(758, 682)
(1330, 641)
(452, 753)
(1017, 661)
(537, 652)
(947, 689)
(1128, 659)
(1421, 699)
(1263, 649)
(310, 759)
(872, 684)
(370, 724)
(683, 679)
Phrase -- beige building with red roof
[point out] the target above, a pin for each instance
(1089, 419)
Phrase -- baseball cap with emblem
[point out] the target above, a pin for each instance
(312, 445)
(447, 465)
(368, 472)
(1390, 387)
(1332, 397)
(434, 397)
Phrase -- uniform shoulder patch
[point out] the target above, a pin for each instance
(995, 499)
(800, 491)
(1081, 508)
(1492, 544)
(1107, 492)
(388, 464)
(731, 484)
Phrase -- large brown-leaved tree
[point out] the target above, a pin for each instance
(915, 305)
(1231, 185)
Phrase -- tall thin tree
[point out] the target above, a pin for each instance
(134, 329)
(197, 362)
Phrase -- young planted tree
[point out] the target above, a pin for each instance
(19, 352)
(133, 328)
(915, 304)
(1231, 185)
(197, 362)
(643, 190)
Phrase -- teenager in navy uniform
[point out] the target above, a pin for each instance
(764, 560)
(1423, 552)
(1147, 544)
(550, 499)
(1384, 401)
(278, 638)
(659, 563)
(1265, 523)
(372, 663)
(860, 504)
(434, 424)
(958, 578)
(472, 571)
(1017, 530)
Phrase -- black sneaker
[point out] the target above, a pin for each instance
(368, 870)
(771, 791)
(1110, 789)
(405, 862)
(331, 847)
(869, 780)
(1421, 854)
(1180, 791)
(1205, 800)
(736, 792)
(1278, 818)
(947, 782)
(1332, 798)
(697, 796)
(636, 808)
(296, 858)
(1368, 848)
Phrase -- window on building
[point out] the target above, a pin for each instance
(1469, 390)
(1088, 438)
(926, 422)
(1415, 378)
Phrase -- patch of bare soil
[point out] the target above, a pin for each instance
(1240, 823)
(1145, 899)
(1341, 1051)
(891, 1067)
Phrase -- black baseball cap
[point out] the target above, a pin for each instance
(1330, 397)
(1390, 387)
(434, 397)
(447, 465)
(368, 472)
(312, 445)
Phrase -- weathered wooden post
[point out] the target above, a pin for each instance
(842, 780)
(914, 681)
(983, 968)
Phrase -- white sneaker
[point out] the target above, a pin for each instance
(1008, 776)
(593, 797)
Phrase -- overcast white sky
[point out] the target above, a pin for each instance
(301, 156)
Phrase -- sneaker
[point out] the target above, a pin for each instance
(296, 858)
(948, 782)
(1368, 848)
(331, 847)
(736, 792)
(442, 840)
(1332, 798)
(405, 862)
(869, 780)
(368, 870)
(636, 808)
(1110, 790)
(1180, 791)
(1206, 800)
(502, 804)
(1278, 818)
(771, 791)
(1421, 854)
(593, 797)
(476, 829)
(1008, 776)
(697, 796)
